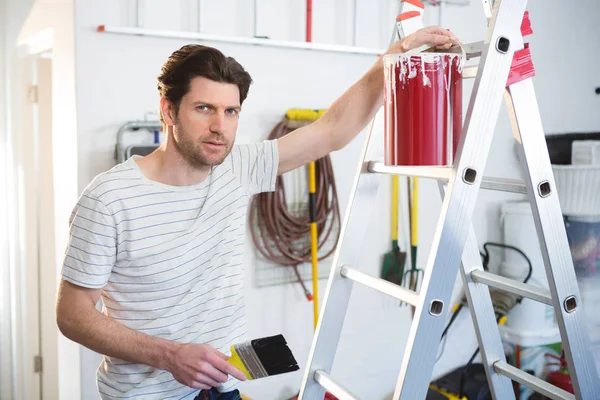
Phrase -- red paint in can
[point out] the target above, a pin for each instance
(422, 108)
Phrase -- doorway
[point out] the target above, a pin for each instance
(35, 333)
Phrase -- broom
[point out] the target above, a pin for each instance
(297, 118)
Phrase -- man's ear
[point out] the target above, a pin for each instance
(168, 111)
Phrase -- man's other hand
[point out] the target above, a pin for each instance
(201, 366)
(433, 36)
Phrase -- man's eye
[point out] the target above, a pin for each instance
(232, 111)
(202, 108)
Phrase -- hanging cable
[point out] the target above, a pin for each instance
(279, 235)
(502, 301)
(486, 256)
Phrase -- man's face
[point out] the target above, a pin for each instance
(205, 126)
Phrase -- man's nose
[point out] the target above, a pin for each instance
(217, 122)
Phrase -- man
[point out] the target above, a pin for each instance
(160, 238)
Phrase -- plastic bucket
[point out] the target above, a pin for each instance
(422, 108)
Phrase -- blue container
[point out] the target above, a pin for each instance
(584, 241)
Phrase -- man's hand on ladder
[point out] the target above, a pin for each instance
(433, 36)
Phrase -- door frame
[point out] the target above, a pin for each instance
(51, 25)
(33, 284)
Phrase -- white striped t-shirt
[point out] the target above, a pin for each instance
(170, 260)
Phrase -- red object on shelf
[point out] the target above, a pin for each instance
(422, 108)
(407, 15)
(561, 377)
(526, 25)
(521, 67)
(416, 3)
(522, 64)
(309, 21)
(561, 380)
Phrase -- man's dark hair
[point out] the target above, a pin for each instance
(195, 60)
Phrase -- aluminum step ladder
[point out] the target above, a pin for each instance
(454, 244)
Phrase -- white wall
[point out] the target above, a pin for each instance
(116, 83)
(12, 15)
(6, 384)
(52, 19)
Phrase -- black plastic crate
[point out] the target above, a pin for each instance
(560, 145)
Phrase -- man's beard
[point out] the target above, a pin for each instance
(192, 151)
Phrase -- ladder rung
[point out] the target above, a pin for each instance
(532, 382)
(474, 49)
(470, 72)
(386, 287)
(445, 173)
(504, 185)
(440, 173)
(512, 286)
(333, 387)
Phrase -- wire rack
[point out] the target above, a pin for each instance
(267, 273)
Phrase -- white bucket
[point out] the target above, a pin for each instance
(530, 323)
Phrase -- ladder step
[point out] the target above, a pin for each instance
(532, 382)
(439, 173)
(445, 173)
(512, 286)
(470, 72)
(504, 185)
(381, 285)
(333, 387)
(474, 49)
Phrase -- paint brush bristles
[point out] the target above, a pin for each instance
(263, 357)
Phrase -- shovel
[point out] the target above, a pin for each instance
(394, 260)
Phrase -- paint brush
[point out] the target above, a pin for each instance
(263, 357)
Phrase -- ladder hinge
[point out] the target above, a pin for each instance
(37, 364)
(32, 94)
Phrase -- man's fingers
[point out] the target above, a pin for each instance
(446, 46)
(198, 385)
(437, 40)
(453, 36)
(236, 373)
(440, 31)
(221, 355)
(231, 370)
(213, 373)
(228, 368)
(207, 380)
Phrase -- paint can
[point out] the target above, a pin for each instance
(422, 108)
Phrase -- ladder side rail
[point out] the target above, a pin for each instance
(348, 252)
(484, 321)
(523, 109)
(459, 202)
(527, 126)
(482, 312)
